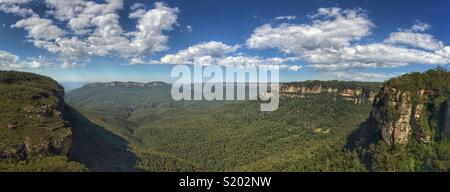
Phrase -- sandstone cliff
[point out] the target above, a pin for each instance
(398, 115)
(357, 92)
(32, 123)
(413, 107)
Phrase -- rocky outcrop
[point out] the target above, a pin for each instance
(32, 122)
(357, 94)
(414, 107)
(392, 112)
(447, 118)
(402, 115)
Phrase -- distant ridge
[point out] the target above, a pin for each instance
(128, 84)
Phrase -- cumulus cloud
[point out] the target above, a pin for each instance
(370, 56)
(86, 29)
(212, 49)
(8, 60)
(254, 61)
(418, 40)
(332, 42)
(13, 6)
(358, 76)
(78, 30)
(295, 68)
(218, 53)
(331, 28)
(40, 29)
(412, 37)
(11, 61)
(445, 52)
(149, 38)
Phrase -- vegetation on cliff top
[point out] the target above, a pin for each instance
(366, 86)
(437, 80)
(33, 134)
(428, 147)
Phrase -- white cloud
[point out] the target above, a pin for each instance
(137, 60)
(253, 61)
(11, 61)
(370, 56)
(38, 62)
(288, 17)
(78, 30)
(358, 76)
(137, 13)
(419, 40)
(189, 28)
(40, 29)
(187, 56)
(137, 6)
(218, 53)
(445, 52)
(149, 38)
(332, 42)
(14, 1)
(412, 38)
(420, 27)
(87, 28)
(331, 28)
(295, 68)
(13, 6)
(8, 60)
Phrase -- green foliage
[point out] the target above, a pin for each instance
(428, 149)
(45, 164)
(413, 157)
(436, 79)
(225, 136)
(30, 121)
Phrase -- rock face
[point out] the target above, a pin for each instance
(32, 122)
(393, 111)
(447, 116)
(360, 93)
(402, 115)
(412, 107)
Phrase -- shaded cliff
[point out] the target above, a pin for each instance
(447, 116)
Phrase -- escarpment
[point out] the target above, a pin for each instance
(357, 92)
(398, 114)
(413, 107)
(32, 123)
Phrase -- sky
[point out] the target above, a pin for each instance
(142, 40)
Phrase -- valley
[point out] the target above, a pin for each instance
(400, 125)
(225, 136)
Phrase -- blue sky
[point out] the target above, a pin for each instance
(365, 40)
